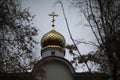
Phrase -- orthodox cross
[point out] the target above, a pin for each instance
(53, 14)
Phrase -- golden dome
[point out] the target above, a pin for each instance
(53, 38)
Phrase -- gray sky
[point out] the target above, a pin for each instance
(41, 8)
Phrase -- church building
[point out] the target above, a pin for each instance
(53, 65)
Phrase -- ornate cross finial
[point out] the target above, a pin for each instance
(53, 14)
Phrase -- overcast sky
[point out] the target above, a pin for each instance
(41, 8)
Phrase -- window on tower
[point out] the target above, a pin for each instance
(52, 53)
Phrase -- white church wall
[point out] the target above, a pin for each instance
(56, 71)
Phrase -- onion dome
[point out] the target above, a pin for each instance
(53, 39)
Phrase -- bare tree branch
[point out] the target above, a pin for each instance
(71, 34)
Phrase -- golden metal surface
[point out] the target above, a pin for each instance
(53, 14)
(53, 38)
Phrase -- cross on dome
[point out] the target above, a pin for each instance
(53, 14)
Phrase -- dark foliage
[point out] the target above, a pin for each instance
(16, 37)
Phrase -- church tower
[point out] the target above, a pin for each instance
(53, 65)
(53, 43)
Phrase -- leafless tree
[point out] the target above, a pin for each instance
(103, 17)
(16, 37)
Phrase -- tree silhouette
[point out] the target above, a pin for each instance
(103, 17)
(16, 37)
